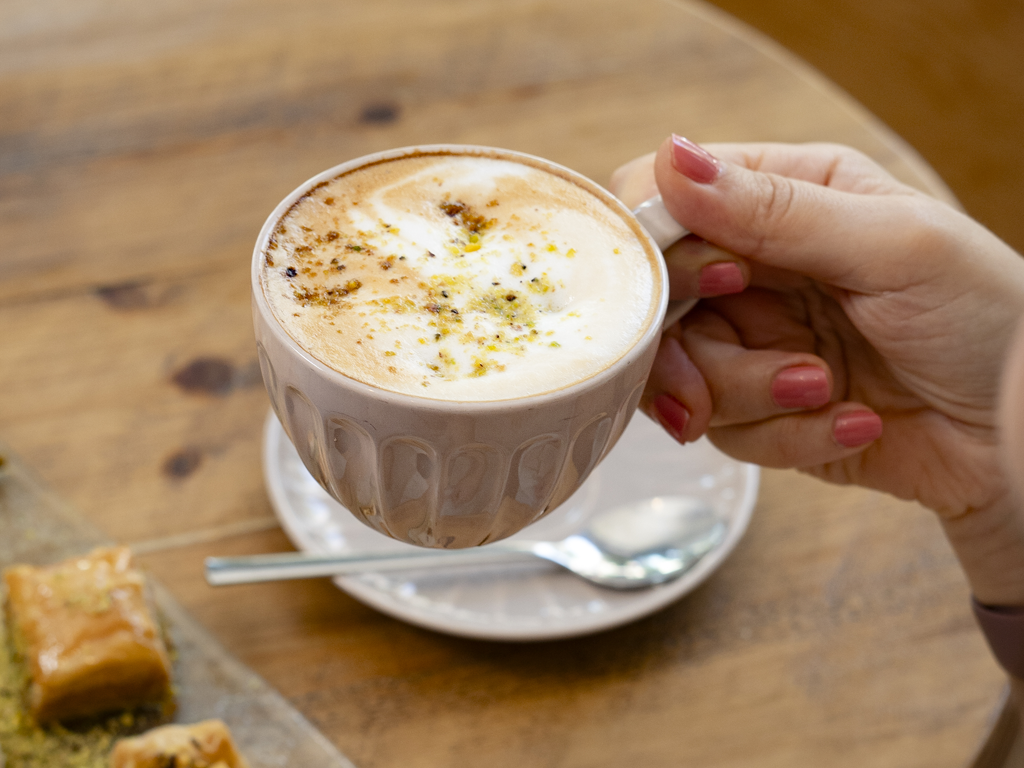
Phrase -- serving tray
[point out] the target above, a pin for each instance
(37, 527)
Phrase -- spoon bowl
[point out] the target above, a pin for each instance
(628, 547)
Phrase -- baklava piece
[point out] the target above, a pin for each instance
(90, 642)
(204, 745)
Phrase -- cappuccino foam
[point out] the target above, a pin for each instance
(460, 277)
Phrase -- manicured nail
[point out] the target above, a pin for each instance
(852, 430)
(672, 415)
(720, 279)
(694, 162)
(802, 386)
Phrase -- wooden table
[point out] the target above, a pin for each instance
(141, 147)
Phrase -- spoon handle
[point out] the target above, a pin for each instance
(298, 565)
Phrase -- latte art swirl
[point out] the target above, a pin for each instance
(460, 277)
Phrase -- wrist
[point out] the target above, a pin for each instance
(1004, 630)
(989, 543)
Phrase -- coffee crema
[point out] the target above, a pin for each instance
(460, 277)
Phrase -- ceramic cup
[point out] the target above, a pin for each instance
(453, 474)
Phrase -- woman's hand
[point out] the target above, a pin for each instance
(867, 346)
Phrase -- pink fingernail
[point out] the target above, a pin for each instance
(802, 386)
(694, 162)
(857, 428)
(720, 279)
(673, 416)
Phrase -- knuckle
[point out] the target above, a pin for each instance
(773, 205)
(927, 233)
(788, 451)
(928, 237)
(842, 151)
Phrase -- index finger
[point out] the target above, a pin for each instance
(858, 241)
(830, 165)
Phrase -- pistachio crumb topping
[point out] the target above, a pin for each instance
(468, 277)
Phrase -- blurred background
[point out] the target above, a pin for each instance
(947, 75)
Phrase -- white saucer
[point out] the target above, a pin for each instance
(532, 601)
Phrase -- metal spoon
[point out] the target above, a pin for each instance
(629, 547)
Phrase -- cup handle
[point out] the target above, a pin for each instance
(664, 230)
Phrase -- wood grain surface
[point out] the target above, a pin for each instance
(38, 528)
(141, 147)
